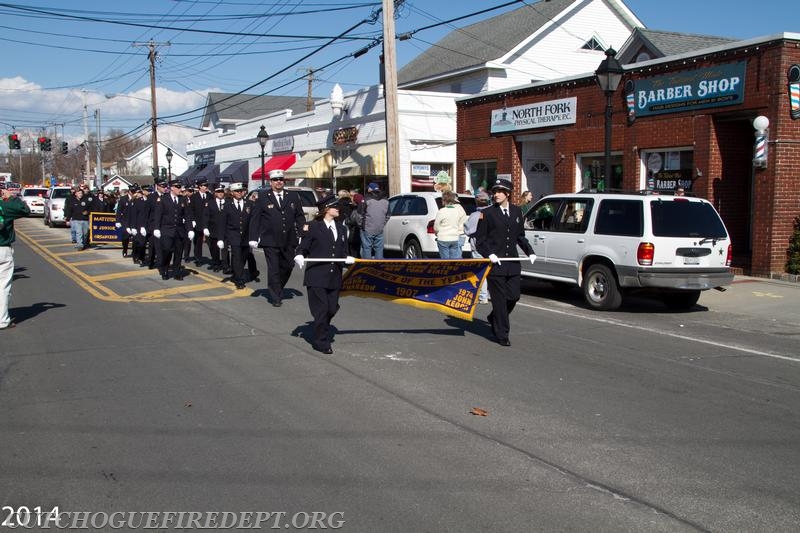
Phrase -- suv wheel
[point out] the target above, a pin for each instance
(600, 288)
(412, 249)
(681, 301)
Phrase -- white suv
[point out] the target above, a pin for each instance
(410, 226)
(611, 244)
(54, 206)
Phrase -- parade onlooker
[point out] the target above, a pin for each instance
(482, 201)
(374, 216)
(449, 226)
(76, 214)
(526, 201)
(326, 238)
(11, 208)
(500, 231)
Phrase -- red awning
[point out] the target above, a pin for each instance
(276, 162)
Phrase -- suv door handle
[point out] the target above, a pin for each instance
(404, 222)
(581, 241)
(539, 237)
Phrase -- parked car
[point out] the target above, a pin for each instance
(308, 196)
(612, 244)
(409, 229)
(54, 206)
(35, 198)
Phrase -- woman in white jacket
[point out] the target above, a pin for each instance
(449, 226)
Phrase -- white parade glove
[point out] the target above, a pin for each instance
(132, 231)
(494, 259)
(157, 233)
(532, 257)
(191, 234)
(194, 223)
(300, 261)
(254, 244)
(118, 225)
(129, 230)
(349, 260)
(143, 231)
(206, 232)
(220, 244)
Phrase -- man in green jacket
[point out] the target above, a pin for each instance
(11, 208)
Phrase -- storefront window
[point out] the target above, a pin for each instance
(423, 174)
(481, 174)
(668, 169)
(592, 168)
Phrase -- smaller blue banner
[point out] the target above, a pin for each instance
(448, 286)
(102, 228)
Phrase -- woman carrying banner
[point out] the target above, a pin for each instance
(325, 239)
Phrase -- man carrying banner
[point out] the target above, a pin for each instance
(326, 238)
(500, 230)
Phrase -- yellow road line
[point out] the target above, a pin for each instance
(93, 262)
(118, 275)
(160, 293)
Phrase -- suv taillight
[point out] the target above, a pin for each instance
(645, 253)
(729, 259)
(430, 227)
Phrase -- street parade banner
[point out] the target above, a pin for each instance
(447, 286)
(102, 228)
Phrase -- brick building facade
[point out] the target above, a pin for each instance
(704, 143)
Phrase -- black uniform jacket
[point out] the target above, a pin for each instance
(236, 222)
(215, 219)
(123, 205)
(275, 226)
(138, 214)
(499, 234)
(200, 208)
(173, 218)
(318, 243)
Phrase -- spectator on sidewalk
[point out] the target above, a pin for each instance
(375, 213)
(11, 208)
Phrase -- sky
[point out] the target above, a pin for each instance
(60, 58)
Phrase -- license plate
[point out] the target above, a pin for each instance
(691, 260)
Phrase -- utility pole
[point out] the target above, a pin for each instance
(154, 123)
(98, 178)
(390, 99)
(85, 138)
(310, 78)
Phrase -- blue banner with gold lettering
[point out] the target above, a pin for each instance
(102, 228)
(448, 286)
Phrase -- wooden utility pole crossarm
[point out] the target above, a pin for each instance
(154, 118)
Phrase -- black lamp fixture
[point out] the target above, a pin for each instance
(262, 140)
(169, 163)
(609, 76)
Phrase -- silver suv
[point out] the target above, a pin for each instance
(612, 244)
(410, 226)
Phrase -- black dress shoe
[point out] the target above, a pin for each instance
(227, 271)
(164, 276)
(179, 277)
(504, 342)
(240, 286)
(326, 351)
(276, 304)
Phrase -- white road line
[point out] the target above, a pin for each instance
(664, 333)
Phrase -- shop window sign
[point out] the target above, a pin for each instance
(668, 169)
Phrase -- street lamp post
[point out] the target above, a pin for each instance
(169, 163)
(609, 76)
(262, 140)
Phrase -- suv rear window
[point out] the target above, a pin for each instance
(34, 192)
(467, 202)
(682, 218)
(59, 193)
(620, 217)
(308, 198)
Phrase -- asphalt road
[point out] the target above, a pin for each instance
(203, 399)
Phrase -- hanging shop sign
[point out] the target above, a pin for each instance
(718, 86)
(539, 115)
(345, 135)
(282, 144)
(204, 158)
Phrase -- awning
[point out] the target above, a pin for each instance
(234, 173)
(209, 172)
(312, 165)
(276, 162)
(189, 174)
(366, 160)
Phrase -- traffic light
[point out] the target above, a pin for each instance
(13, 142)
(41, 141)
(64, 147)
(47, 144)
